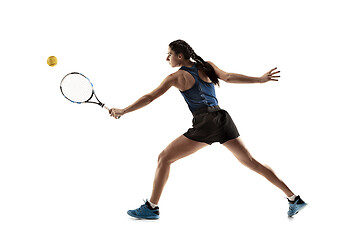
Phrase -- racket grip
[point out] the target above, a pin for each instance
(109, 110)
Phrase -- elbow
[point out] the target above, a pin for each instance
(226, 77)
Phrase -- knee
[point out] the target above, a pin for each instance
(253, 164)
(164, 159)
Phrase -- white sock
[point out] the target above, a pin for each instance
(292, 198)
(152, 204)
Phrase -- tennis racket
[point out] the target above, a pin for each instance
(78, 89)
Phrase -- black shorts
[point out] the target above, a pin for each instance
(212, 125)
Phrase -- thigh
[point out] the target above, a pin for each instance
(237, 147)
(180, 147)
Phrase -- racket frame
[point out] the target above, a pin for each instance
(91, 96)
(92, 92)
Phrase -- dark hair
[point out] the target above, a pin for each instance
(180, 46)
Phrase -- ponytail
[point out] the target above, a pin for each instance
(206, 67)
(180, 46)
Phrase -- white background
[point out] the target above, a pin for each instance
(70, 171)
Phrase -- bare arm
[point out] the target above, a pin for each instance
(239, 78)
(147, 98)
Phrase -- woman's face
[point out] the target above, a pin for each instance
(173, 58)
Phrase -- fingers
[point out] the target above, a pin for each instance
(272, 70)
(271, 75)
(112, 112)
(273, 79)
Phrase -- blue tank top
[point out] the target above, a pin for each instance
(202, 94)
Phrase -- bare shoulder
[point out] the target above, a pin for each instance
(212, 64)
(182, 79)
(173, 77)
(220, 73)
(170, 79)
(178, 74)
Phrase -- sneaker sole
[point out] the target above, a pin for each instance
(147, 218)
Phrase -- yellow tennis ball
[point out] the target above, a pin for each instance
(52, 61)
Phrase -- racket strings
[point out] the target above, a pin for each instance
(76, 88)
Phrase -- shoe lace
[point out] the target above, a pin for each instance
(144, 205)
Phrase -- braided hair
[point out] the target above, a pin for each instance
(180, 46)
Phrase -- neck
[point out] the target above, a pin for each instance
(187, 63)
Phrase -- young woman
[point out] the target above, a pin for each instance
(195, 80)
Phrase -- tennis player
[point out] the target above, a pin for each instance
(196, 80)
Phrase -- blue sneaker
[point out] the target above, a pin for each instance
(145, 211)
(295, 206)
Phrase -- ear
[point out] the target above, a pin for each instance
(180, 56)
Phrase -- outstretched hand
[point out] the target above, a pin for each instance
(269, 76)
(116, 113)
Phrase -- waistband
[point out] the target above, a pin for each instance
(206, 110)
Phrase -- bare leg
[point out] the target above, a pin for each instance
(237, 147)
(179, 148)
